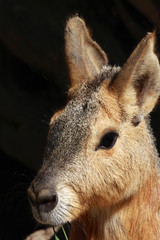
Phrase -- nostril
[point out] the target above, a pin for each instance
(47, 202)
(44, 200)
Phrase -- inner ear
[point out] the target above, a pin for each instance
(141, 85)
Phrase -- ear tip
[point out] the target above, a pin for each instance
(150, 37)
(74, 22)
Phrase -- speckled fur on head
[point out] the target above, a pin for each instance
(71, 127)
(100, 168)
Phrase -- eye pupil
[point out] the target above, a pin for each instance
(108, 140)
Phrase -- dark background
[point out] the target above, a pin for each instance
(34, 82)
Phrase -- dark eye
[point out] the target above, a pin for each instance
(108, 140)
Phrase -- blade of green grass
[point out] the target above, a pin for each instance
(64, 232)
(56, 238)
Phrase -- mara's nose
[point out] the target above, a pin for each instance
(45, 200)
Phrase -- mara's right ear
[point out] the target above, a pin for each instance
(138, 83)
(84, 56)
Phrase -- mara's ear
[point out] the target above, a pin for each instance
(138, 83)
(84, 56)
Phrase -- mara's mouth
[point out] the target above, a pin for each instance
(65, 210)
(55, 208)
(55, 217)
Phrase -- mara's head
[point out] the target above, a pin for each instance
(99, 151)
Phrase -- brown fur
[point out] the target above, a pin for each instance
(104, 193)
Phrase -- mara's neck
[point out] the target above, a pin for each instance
(133, 219)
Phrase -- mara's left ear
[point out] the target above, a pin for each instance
(138, 83)
(84, 56)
